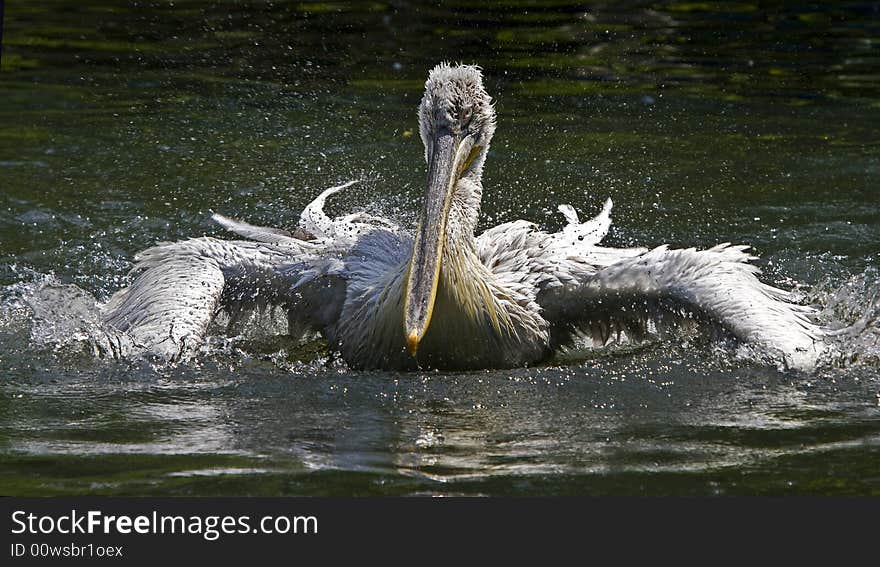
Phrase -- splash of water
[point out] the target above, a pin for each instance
(60, 317)
(851, 314)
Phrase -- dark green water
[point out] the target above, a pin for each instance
(124, 124)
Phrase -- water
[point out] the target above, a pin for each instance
(121, 126)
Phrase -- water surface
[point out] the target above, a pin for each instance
(122, 126)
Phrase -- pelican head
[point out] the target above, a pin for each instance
(456, 123)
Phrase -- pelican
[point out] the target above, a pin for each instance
(444, 297)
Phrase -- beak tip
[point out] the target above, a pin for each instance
(412, 343)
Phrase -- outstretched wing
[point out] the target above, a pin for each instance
(182, 285)
(606, 293)
(664, 287)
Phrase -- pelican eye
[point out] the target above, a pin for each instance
(464, 117)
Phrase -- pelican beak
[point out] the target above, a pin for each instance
(449, 156)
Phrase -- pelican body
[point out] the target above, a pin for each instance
(445, 297)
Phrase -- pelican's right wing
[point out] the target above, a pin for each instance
(181, 286)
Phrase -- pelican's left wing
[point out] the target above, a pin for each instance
(649, 291)
(603, 293)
